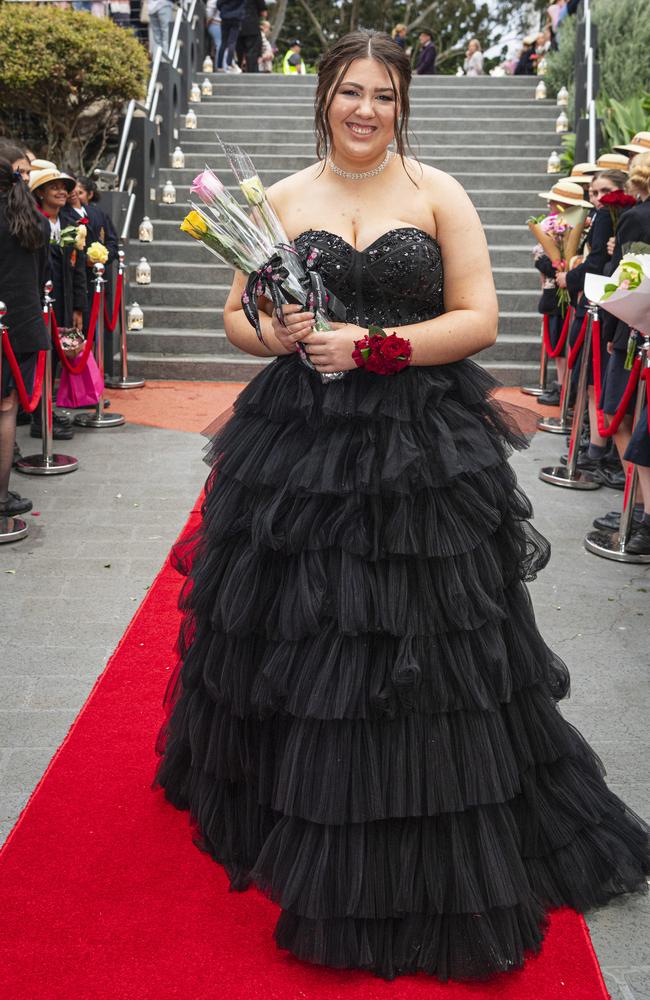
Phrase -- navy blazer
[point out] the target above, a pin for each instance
(596, 259)
(23, 274)
(426, 64)
(633, 227)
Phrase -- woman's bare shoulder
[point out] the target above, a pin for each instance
(436, 182)
(286, 191)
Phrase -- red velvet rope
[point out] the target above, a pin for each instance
(577, 347)
(28, 404)
(607, 430)
(111, 321)
(554, 352)
(87, 348)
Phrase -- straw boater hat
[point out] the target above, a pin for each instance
(613, 161)
(567, 193)
(583, 173)
(44, 171)
(639, 144)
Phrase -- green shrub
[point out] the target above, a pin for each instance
(623, 47)
(560, 65)
(64, 80)
(620, 120)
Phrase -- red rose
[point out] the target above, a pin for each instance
(617, 199)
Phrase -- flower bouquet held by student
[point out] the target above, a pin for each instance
(363, 721)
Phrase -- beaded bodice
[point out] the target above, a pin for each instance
(397, 280)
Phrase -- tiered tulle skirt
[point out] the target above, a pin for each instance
(363, 719)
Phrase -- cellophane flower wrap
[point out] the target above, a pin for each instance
(257, 245)
(626, 293)
(558, 236)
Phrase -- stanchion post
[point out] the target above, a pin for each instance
(538, 390)
(99, 418)
(124, 381)
(47, 463)
(614, 545)
(561, 424)
(569, 475)
(12, 529)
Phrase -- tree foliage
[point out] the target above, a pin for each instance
(64, 80)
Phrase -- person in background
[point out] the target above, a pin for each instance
(268, 54)
(249, 43)
(292, 63)
(473, 64)
(120, 12)
(232, 15)
(24, 269)
(426, 64)
(161, 13)
(213, 24)
(398, 34)
(526, 61)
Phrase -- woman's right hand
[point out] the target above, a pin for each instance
(298, 325)
(611, 243)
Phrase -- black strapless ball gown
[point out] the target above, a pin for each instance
(363, 721)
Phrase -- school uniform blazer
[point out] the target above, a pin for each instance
(595, 261)
(633, 227)
(23, 274)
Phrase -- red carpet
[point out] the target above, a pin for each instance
(103, 896)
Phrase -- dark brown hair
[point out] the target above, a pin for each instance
(22, 218)
(617, 178)
(334, 64)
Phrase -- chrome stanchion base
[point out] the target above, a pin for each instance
(559, 475)
(532, 390)
(554, 425)
(12, 529)
(130, 382)
(37, 465)
(98, 420)
(607, 545)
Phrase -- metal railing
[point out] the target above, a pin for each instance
(586, 87)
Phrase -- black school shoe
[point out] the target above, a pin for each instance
(612, 521)
(639, 541)
(60, 431)
(14, 504)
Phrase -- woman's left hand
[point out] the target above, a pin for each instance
(331, 350)
(78, 320)
(560, 279)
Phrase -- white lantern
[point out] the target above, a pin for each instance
(208, 65)
(542, 66)
(135, 317)
(206, 88)
(561, 123)
(195, 94)
(553, 164)
(145, 230)
(190, 119)
(540, 91)
(178, 158)
(169, 194)
(143, 272)
(459, 71)
(563, 98)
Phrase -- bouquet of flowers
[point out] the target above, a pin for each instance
(626, 294)
(97, 253)
(559, 237)
(71, 236)
(381, 352)
(72, 341)
(258, 246)
(616, 202)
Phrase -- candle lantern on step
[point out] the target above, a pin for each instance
(553, 164)
(542, 66)
(540, 91)
(178, 158)
(563, 98)
(208, 65)
(190, 119)
(561, 123)
(195, 94)
(206, 88)
(169, 194)
(143, 272)
(145, 230)
(135, 317)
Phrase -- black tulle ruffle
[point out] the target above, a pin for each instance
(363, 721)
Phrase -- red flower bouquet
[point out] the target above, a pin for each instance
(617, 202)
(382, 353)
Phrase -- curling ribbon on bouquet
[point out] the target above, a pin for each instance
(88, 346)
(111, 321)
(28, 403)
(604, 429)
(554, 352)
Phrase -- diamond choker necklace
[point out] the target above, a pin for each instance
(350, 175)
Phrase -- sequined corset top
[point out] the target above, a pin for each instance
(395, 281)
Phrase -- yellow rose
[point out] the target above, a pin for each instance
(80, 240)
(194, 225)
(97, 253)
(253, 190)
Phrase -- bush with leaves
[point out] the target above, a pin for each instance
(623, 47)
(560, 65)
(64, 80)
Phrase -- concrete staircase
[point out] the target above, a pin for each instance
(488, 133)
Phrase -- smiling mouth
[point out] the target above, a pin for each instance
(361, 129)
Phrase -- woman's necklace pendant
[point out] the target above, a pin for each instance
(350, 175)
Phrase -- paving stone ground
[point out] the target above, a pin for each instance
(70, 589)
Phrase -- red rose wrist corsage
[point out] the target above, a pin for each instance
(382, 353)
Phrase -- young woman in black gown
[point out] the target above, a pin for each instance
(363, 721)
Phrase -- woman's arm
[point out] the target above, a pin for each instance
(241, 333)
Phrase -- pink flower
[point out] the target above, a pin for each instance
(208, 187)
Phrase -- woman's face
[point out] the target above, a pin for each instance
(363, 111)
(54, 195)
(22, 166)
(598, 188)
